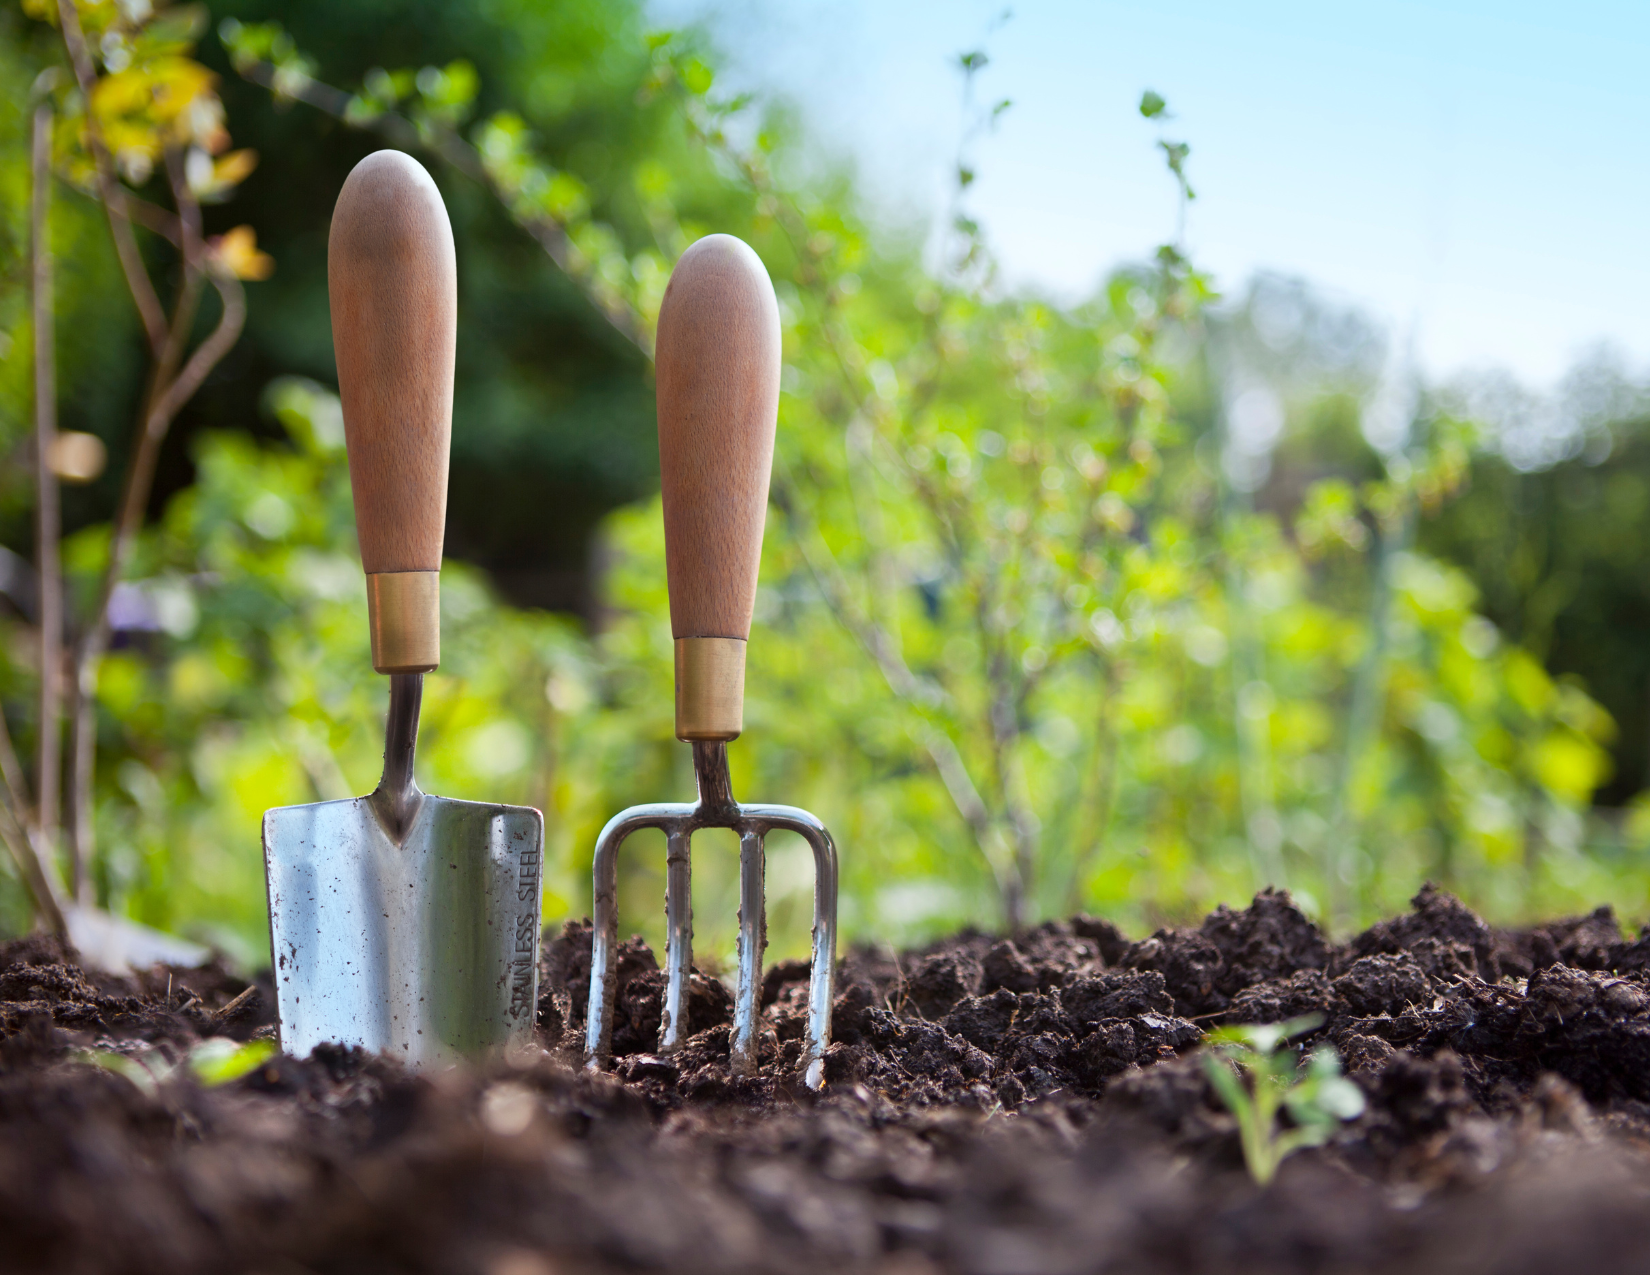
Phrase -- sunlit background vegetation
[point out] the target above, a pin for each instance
(1128, 607)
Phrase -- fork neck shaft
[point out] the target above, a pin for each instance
(710, 768)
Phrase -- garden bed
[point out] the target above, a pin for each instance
(991, 1107)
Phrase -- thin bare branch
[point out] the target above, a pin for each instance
(110, 190)
(47, 515)
(16, 786)
(14, 816)
(323, 97)
(189, 211)
(46, 903)
(194, 264)
(154, 217)
(960, 788)
(207, 355)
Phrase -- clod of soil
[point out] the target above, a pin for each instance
(994, 1106)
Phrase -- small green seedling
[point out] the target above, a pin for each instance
(215, 1061)
(1317, 1097)
(218, 1061)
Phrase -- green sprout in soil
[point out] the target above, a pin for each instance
(1258, 1082)
(213, 1062)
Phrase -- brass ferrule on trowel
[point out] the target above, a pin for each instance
(404, 618)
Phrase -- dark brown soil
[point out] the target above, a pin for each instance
(992, 1107)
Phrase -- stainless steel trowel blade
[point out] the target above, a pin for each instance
(425, 950)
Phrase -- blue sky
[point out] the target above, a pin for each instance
(1477, 172)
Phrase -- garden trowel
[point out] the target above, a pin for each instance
(403, 923)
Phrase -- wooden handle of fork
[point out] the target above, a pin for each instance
(717, 359)
(393, 283)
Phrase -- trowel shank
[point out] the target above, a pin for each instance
(397, 797)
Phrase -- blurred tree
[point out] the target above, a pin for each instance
(1108, 606)
(1559, 552)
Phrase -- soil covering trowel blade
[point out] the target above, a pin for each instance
(403, 923)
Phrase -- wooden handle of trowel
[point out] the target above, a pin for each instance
(717, 359)
(393, 283)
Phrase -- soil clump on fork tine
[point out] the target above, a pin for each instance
(993, 1107)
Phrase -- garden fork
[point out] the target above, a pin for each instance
(717, 360)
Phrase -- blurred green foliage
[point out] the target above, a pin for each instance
(1558, 551)
(1108, 607)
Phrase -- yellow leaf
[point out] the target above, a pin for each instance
(237, 251)
(159, 100)
(123, 93)
(234, 167)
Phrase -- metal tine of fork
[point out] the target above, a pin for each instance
(678, 935)
(753, 941)
(672, 818)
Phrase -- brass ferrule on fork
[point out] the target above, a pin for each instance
(710, 688)
(715, 808)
